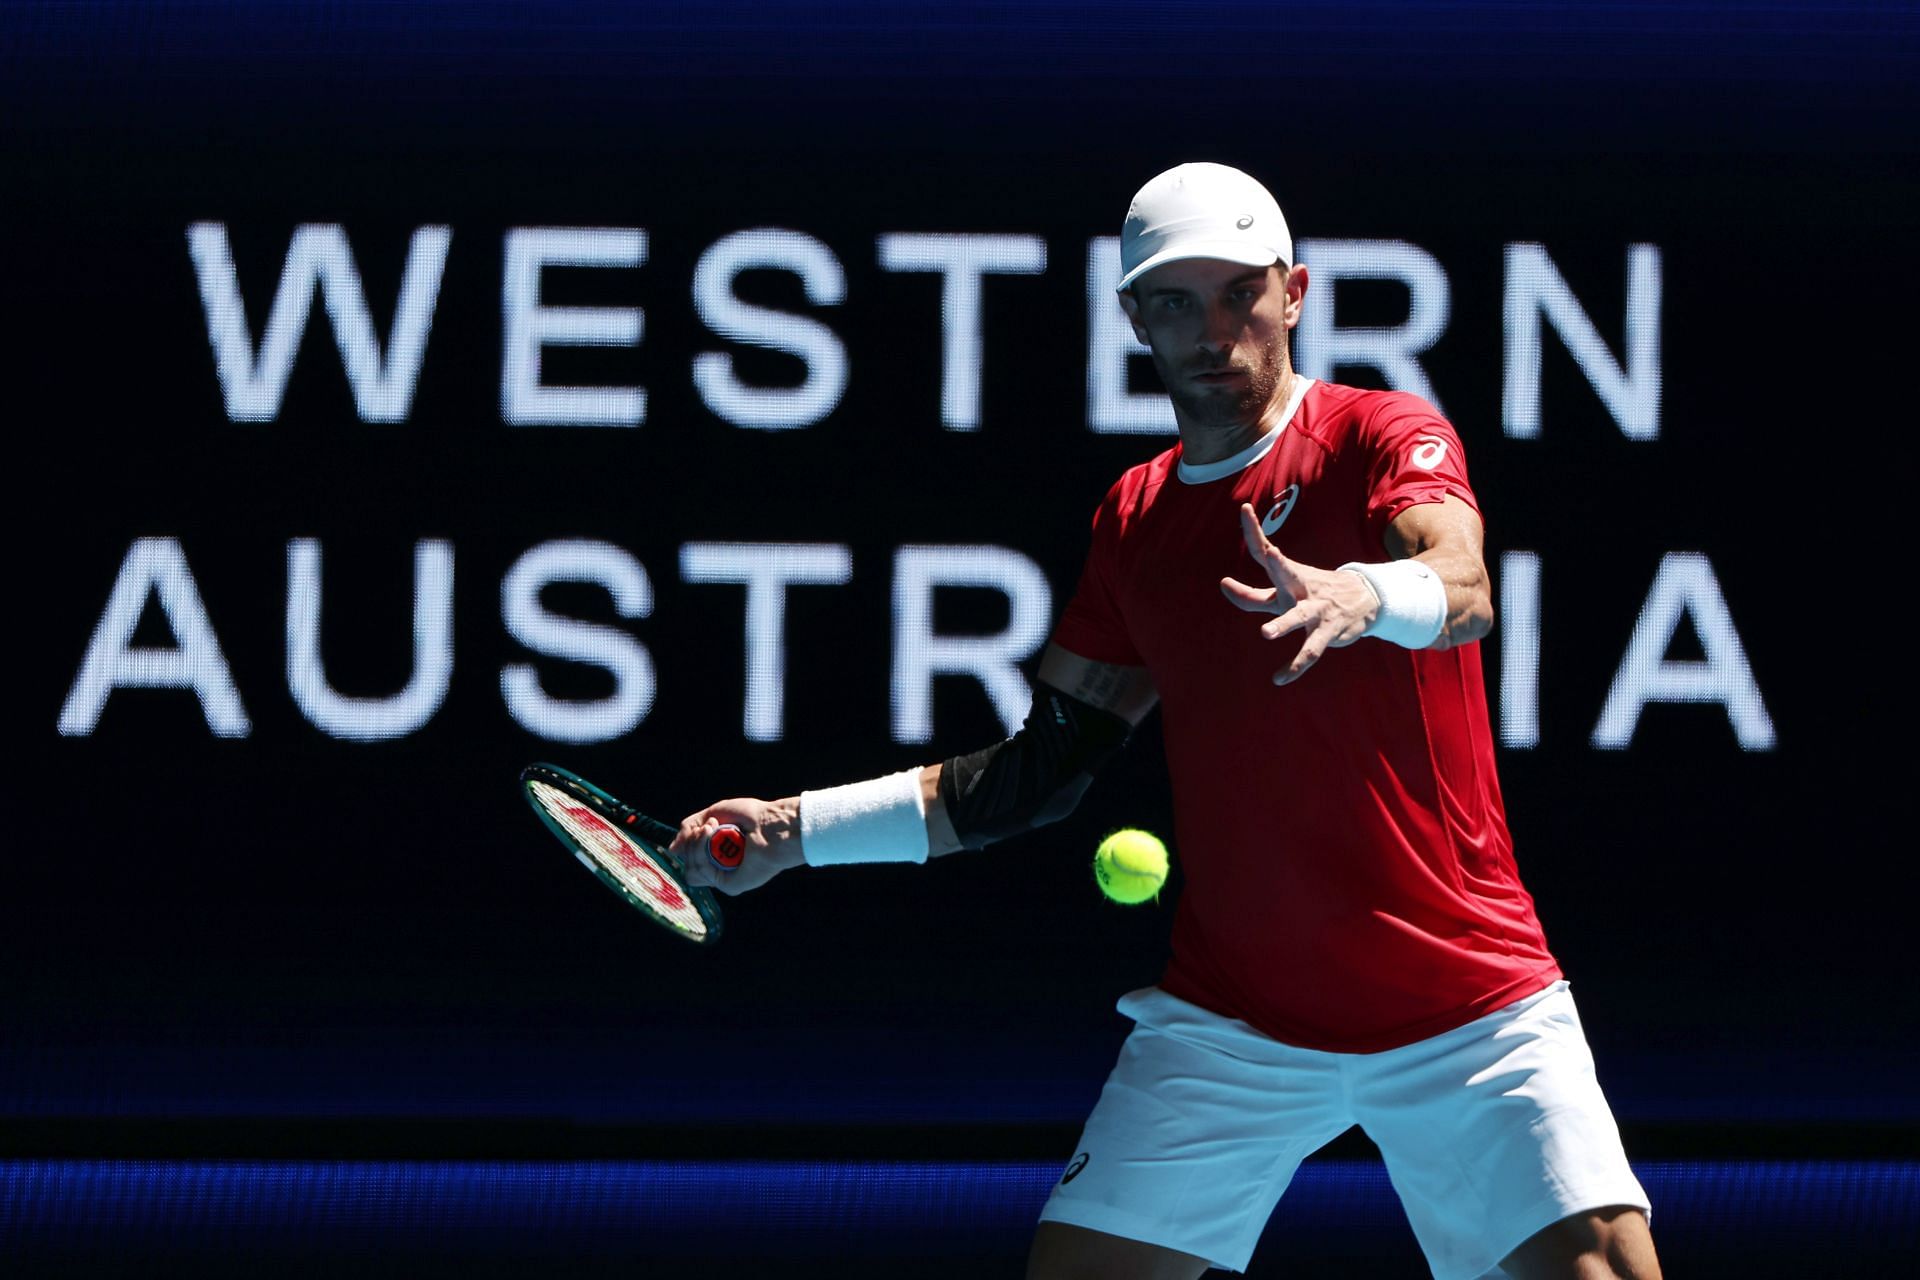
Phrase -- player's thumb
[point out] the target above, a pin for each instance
(1252, 599)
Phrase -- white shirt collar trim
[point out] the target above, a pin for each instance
(1205, 472)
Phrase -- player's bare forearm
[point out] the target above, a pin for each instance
(1448, 538)
(1127, 692)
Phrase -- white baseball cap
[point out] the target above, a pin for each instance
(1202, 211)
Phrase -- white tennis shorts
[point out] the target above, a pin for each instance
(1490, 1131)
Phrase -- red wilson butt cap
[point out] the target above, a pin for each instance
(727, 847)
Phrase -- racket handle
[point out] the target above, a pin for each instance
(727, 847)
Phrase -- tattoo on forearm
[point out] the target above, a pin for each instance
(1100, 685)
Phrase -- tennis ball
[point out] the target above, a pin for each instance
(1130, 865)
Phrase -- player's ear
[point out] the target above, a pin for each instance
(1131, 305)
(1295, 283)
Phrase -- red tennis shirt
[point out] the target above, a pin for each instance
(1349, 878)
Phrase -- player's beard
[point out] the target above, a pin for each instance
(1234, 403)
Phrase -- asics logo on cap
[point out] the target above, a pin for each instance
(1188, 212)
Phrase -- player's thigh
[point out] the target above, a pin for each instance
(1610, 1242)
(1197, 1133)
(1494, 1132)
(1065, 1252)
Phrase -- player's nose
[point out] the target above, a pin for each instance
(1218, 331)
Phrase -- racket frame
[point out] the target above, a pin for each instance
(650, 834)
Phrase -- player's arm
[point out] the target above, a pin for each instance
(1432, 593)
(1082, 713)
(1448, 538)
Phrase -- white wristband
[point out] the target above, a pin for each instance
(880, 820)
(1413, 601)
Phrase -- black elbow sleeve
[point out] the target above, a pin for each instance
(1035, 777)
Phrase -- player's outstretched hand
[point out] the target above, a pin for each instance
(1331, 606)
(770, 828)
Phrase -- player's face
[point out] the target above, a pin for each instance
(1218, 333)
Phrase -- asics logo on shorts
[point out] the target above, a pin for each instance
(1073, 1170)
(1282, 508)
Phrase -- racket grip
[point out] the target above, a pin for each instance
(727, 847)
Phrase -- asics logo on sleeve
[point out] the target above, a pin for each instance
(1428, 453)
(1282, 508)
(1073, 1170)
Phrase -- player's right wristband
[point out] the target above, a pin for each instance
(880, 820)
(1413, 601)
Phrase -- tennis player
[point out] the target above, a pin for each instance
(1353, 944)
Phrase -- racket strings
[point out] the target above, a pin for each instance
(634, 866)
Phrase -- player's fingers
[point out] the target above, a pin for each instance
(699, 816)
(690, 841)
(1252, 533)
(1292, 620)
(689, 831)
(686, 846)
(697, 872)
(1252, 599)
(1285, 573)
(1260, 548)
(1310, 653)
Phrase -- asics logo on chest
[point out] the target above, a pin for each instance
(1282, 508)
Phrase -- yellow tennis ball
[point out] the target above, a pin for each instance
(1130, 865)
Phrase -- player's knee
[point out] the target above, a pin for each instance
(1063, 1252)
(1603, 1244)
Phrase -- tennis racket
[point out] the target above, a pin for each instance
(627, 850)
